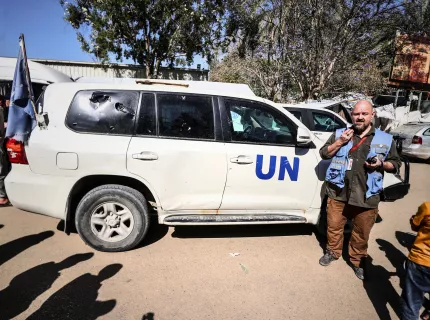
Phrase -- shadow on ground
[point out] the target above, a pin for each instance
(380, 290)
(62, 225)
(405, 239)
(1, 226)
(15, 247)
(378, 285)
(395, 256)
(27, 286)
(155, 233)
(148, 316)
(242, 231)
(78, 298)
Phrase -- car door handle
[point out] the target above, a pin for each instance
(145, 155)
(317, 133)
(242, 160)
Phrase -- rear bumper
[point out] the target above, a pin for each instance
(43, 194)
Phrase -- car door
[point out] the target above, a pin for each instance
(298, 113)
(426, 142)
(176, 151)
(266, 170)
(324, 123)
(340, 110)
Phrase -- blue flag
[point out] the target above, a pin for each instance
(21, 119)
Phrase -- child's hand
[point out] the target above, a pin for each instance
(413, 226)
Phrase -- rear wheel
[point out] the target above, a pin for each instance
(112, 218)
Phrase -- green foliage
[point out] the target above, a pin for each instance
(278, 47)
(148, 31)
(415, 19)
(315, 40)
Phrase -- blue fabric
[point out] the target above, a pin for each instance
(339, 163)
(417, 283)
(380, 146)
(21, 119)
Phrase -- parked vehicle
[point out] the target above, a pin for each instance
(41, 76)
(338, 107)
(112, 154)
(416, 137)
(318, 118)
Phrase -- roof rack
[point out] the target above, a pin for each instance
(154, 81)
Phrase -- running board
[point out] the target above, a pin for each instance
(232, 219)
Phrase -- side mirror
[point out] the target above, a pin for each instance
(303, 137)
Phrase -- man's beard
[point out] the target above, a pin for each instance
(362, 128)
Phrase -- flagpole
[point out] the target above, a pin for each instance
(27, 73)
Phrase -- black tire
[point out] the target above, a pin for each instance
(130, 198)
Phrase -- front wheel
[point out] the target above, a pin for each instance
(112, 218)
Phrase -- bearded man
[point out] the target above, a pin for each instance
(354, 180)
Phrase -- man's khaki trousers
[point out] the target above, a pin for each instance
(363, 220)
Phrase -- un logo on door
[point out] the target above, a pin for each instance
(284, 166)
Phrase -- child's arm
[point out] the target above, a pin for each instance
(419, 216)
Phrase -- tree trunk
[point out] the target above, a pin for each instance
(157, 67)
(148, 63)
(148, 69)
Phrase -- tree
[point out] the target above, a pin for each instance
(316, 39)
(148, 31)
(415, 20)
(266, 78)
(370, 79)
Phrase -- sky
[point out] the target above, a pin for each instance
(47, 35)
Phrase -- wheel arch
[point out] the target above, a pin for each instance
(87, 183)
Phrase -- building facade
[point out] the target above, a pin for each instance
(76, 69)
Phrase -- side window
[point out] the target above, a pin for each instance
(326, 122)
(426, 133)
(258, 123)
(297, 114)
(414, 105)
(185, 116)
(37, 89)
(103, 112)
(39, 102)
(425, 106)
(147, 122)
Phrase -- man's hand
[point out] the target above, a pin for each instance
(413, 226)
(373, 166)
(343, 139)
(346, 136)
(379, 165)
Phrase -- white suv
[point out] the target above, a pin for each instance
(319, 117)
(112, 154)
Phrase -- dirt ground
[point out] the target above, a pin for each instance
(187, 272)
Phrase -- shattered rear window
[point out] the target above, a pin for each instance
(111, 111)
